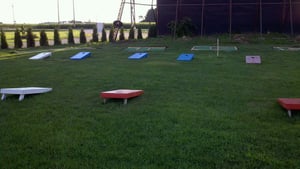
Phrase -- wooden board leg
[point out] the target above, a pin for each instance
(3, 97)
(125, 101)
(21, 97)
(290, 113)
(104, 101)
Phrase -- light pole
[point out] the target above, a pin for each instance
(13, 13)
(58, 17)
(73, 14)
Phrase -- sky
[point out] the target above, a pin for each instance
(38, 11)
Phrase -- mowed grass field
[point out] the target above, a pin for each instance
(212, 112)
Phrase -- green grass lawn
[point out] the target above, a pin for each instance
(213, 112)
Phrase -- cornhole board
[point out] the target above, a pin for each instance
(138, 56)
(120, 94)
(290, 104)
(80, 55)
(42, 55)
(253, 59)
(185, 57)
(215, 48)
(22, 91)
(286, 48)
(145, 48)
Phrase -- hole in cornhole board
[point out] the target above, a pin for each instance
(289, 104)
(145, 48)
(138, 56)
(80, 55)
(215, 48)
(121, 94)
(253, 59)
(42, 55)
(22, 91)
(185, 57)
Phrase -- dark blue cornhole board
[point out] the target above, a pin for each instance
(137, 56)
(80, 55)
(185, 57)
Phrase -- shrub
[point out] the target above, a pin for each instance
(71, 37)
(18, 40)
(131, 33)
(152, 32)
(122, 37)
(184, 27)
(30, 38)
(140, 34)
(57, 40)
(104, 36)
(4, 44)
(95, 35)
(43, 38)
(111, 35)
(82, 37)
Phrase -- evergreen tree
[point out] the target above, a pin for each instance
(122, 37)
(152, 32)
(82, 37)
(4, 44)
(18, 39)
(57, 40)
(140, 34)
(43, 38)
(71, 37)
(131, 33)
(104, 36)
(30, 38)
(95, 35)
(111, 35)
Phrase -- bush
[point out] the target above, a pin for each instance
(152, 32)
(140, 34)
(4, 44)
(30, 38)
(71, 37)
(95, 35)
(57, 40)
(43, 38)
(131, 33)
(82, 37)
(184, 27)
(104, 36)
(18, 40)
(111, 35)
(122, 37)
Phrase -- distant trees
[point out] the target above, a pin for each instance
(71, 37)
(104, 36)
(18, 39)
(152, 32)
(95, 35)
(140, 33)
(43, 38)
(131, 33)
(82, 37)
(111, 35)
(30, 38)
(122, 36)
(4, 44)
(57, 40)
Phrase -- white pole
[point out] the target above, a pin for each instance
(218, 46)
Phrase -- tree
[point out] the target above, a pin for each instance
(43, 38)
(131, 33)
(140, 34)
(82, 37)
(104, 36)
(18, 39)
(95, 35)
(111, 35)
(57, 40)
(122, 37)
(4, 44)
(71, 37)
(151, 15)
(30, 38)
(152, 32)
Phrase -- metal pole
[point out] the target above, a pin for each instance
(230, 19)
(202, 17)
(58, 17)
(291, 18)
(13, 13)
(176, 19)
(74, 14)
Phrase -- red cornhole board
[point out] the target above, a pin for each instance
(120, 94)
(290, 104)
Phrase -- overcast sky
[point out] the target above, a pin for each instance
(37, 11)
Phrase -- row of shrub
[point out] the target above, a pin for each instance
(43, 39)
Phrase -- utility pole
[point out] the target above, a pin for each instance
(58, 17)
(73, 14)
(13, 13)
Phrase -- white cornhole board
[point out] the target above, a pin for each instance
(253, 59)
(41, 56)
(22, 91)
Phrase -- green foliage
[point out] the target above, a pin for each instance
(57, 40)
(4, 44)
(17, 39)
(71, 37)
(30, 39)
(111, 35)
(184, 27)
(95, 35)
(131, 33)
(152, 32)
(43, 38)
(103, 36)
(122, 37)
(82, 37)
(140, 33)
(151, 15)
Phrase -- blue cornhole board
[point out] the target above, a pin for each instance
(80, 55)
(137, 56)
(185, 57)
